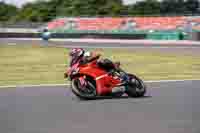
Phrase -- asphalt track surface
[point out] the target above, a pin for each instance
(168, 107)
(97, 43)
(171, 107)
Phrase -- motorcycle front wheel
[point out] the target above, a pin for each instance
(136, 87)
(88, 92)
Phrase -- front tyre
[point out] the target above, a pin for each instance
(88, 92)
(136, 87)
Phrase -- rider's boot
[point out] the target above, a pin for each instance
(123, 76)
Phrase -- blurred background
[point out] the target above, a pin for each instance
(138, 19)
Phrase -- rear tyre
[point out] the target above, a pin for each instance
(87, 93)
(136, 88)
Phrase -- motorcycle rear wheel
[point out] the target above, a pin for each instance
(136, 88)
(87, 93)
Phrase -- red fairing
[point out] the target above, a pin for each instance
(104, 82)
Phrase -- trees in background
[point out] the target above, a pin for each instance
(192, 6)
(47, 10)
(42, 11)
(7, 12)
(87, 7)
(165, 7)
(180, 6)
(147, 7)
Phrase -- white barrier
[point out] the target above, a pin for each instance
(18, 30)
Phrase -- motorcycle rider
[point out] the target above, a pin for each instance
(79, 54)
(83, 57)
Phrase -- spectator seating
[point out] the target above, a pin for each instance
(135, 23)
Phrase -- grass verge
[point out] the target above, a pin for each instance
(21, 65)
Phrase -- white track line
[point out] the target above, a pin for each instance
(52, 85)
(129, 46)
(146, 41)
(167, 81)
(39, 85)
(11, 44)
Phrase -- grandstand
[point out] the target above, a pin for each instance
(136, 23)
(150, 25)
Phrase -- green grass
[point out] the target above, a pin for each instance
(21, 65)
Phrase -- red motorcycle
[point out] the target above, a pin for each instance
(90, 81)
